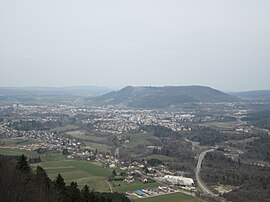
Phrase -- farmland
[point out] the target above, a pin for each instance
(82, 172)
(124, 187)
(175, 197)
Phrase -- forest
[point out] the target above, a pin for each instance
(250, 181)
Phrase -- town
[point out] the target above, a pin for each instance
(62, 129)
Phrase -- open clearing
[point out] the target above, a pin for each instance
(175, 197)
(18, 152)
(137, 139)
(222, 125)
(83, 135)
(65, 128)
(24, 141)
(160, 157)
(133, 186)
(98, 146)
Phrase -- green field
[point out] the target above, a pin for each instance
(140, 139)
(18, 152)
(124, 186)
(81, 134)
(160, 157)
(52, 156)
(175, 197)
(98, 146)
(90, 140)
(65, 128)
(222, 125)
(83, 172)
(25, 141)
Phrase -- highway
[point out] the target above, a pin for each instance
(197, 173)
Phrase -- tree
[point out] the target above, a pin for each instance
(59, 183)
(42, 177)
(114, 173)
(23, 164)
(74, 192)
(86, 194)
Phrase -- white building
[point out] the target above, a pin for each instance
(179, 180)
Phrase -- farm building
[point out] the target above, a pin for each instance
(179, 180)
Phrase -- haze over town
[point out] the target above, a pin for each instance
(222, 44)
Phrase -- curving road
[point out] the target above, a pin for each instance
(111, 188)
(197, 173)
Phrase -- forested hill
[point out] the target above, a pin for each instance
(161, 97)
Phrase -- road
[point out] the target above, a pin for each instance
(111, 189)
(197, 173)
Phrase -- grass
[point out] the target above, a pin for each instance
(124, 186)
(140, 139)
(18, 152)
(65, 128)
(25, 141)
(174, 197)
(222, 125)
(83, 172)
(90, 140)
(160, 157)
(98, 146)
(52, 156)
(86, 137)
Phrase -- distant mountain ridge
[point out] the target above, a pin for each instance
(253, 95)
(161, 97)
(71, 90)
(49, 95)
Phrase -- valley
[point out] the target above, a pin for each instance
(126, 149)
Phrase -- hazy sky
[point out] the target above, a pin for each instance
(224, 44)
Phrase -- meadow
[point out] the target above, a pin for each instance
(175, 197)
(83, 172)
(133, 186)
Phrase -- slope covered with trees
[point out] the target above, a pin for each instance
(20, 184)
(161, 97)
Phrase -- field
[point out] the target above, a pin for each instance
(160, 157)
(140, 139)
(81, 134)
(17, 152)
(65, 128)
(8, 141)
(90, 140)
(175, 197)
(83, 172)
(98, 146)
(124, 186)
(222, 125)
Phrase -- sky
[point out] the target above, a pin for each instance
(224, 44)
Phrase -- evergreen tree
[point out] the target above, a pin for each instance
(85, 194)
(23, 164)
(59, 183)
(114, 173)
(42, 177)
(74, 192)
